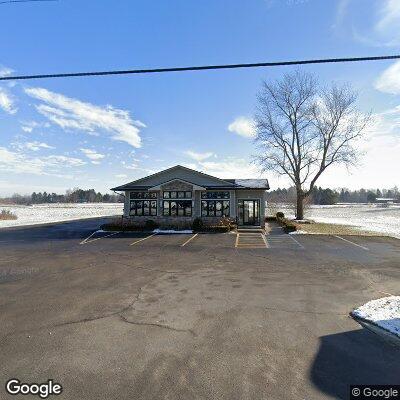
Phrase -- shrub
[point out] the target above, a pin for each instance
(289, 226)
(197, 224)
(216, 228)
(121, 225)
(270, 219)
(7, 215)
(280, 215)
(150, 225)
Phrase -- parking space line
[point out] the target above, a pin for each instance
(85, 241)
(187, 241)
(265, 241)
(349, 241)
(237, 239)
(296, 241)
(141, 240)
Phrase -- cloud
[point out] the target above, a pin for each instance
(7, 102)
(35, 146)
(198, 156)
(227, 168)
(121, 176)
(5, 71)
(381, 29)
(70, 113)
(93, 155)
(29, 126)
(388, 24)
(242, 126)
(21, 163)
(389, 80)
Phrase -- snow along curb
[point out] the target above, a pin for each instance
(171, 231)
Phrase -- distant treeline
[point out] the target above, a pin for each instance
(71, 196)
(330, 196)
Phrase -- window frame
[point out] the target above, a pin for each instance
(179, 205)
(142, 195)
(167, 194)
(211, 208)
(152, 207)
(216, 195)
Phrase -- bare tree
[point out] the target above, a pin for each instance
(302, 129)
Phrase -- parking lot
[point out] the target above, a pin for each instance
(192, 316)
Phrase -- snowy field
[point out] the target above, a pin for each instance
(43, 213)
(364, 217)
(368, 217)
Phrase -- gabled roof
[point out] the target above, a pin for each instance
(194, 177)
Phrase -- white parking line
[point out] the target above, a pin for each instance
(296, 241)
(265, 241)
(349, 241)
(85, 241)
(141, 240)
(187, 241)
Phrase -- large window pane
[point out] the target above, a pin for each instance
(153, 207)
(188, 195)
(226, 210)
(218, 209)
(166, 208)
(173, 209)
(146, 207)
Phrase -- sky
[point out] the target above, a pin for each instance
(101, 132)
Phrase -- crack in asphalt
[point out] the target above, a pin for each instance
(171, 328)
(119, 313)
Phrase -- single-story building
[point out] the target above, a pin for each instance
(182, 194)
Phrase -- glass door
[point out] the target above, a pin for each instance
(249, 212)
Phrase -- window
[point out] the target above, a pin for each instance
(143, 208)
(215, 195)
(178, 208)
(215, 208)
(177, 195)
(143, 195)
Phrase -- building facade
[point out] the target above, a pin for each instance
(183, 194)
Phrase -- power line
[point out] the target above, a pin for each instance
(198, 68)
(22, 1)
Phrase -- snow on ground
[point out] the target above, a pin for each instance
(171, 231)
(44, 213)
(384, 312)
(368, 217)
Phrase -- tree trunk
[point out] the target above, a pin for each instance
(300, 205)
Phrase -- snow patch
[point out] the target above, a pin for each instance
(384, 312)
(300, 232)
(169, 231)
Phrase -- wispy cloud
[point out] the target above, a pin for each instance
(230, 167)
(35, 146)
(242, 126)
(382, 28)
(93, 155)
(121, 176)
(70, 113)
(5, 71)
(29, 126)
(198, 156)
(7, 101)
(389, 80)
(21, 163)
